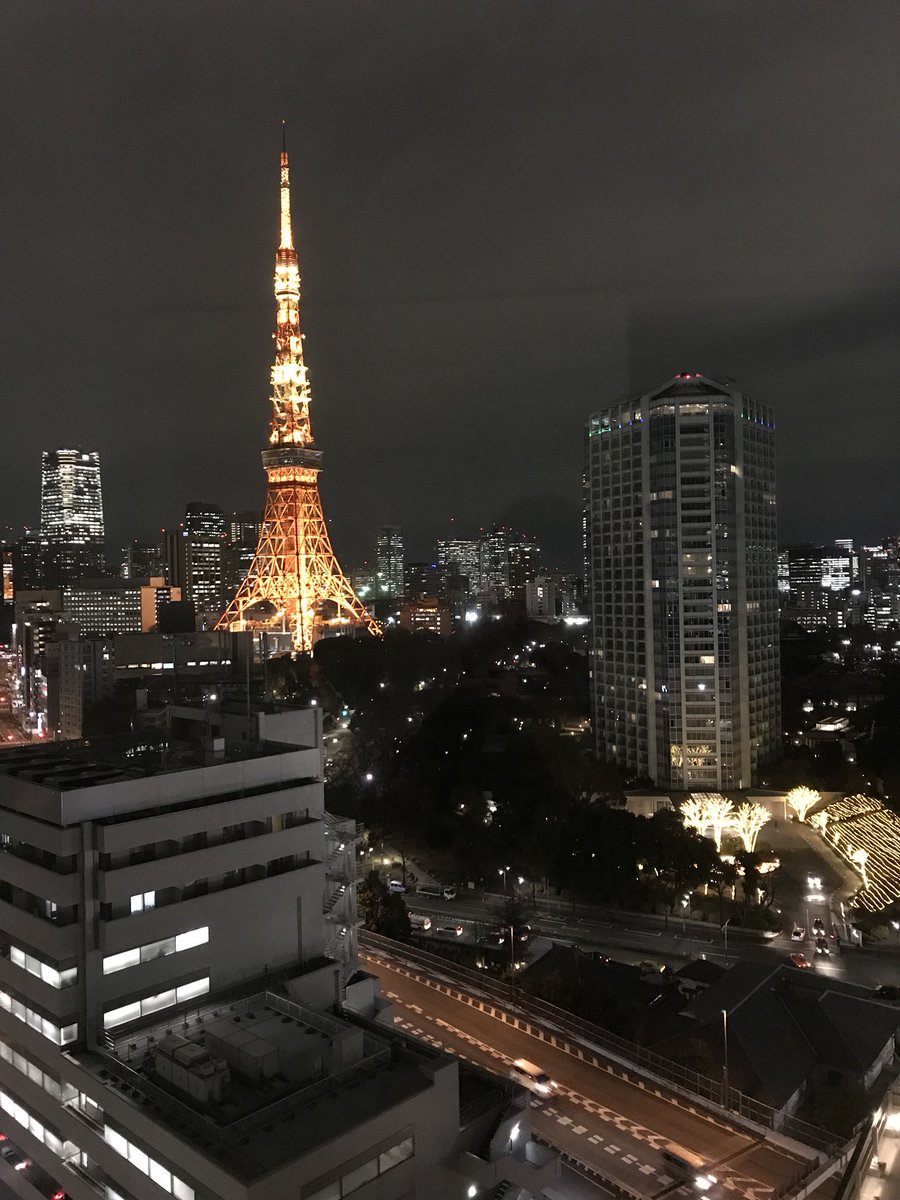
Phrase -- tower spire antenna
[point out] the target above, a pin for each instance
(287, 236)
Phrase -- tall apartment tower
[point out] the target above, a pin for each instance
(683, 585)
(71, 515)
(389, 561)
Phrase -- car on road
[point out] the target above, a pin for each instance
(495, 939)
(448, 931)
(822, 946)
(395, 886)
(420, 921)
(819, 927)
(798, 934)
(687, 1166)
(800, 960)
(530, 1075)
(13, 1158)
(438, 891)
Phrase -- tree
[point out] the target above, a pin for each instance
(724, 877)
(383, 911)
(861, 857)
(801, 800)
(695, 813)
(749, 863)
(748, 821)
(719, 811)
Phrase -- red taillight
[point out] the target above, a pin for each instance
(59, 1196)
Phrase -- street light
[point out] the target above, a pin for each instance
(725, 933)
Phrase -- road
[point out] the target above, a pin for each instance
(10, 731)
(612, 1126)
(635, 939)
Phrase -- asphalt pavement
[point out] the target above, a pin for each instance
(635, 938)
(612, 1126)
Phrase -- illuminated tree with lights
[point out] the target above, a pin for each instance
(860, 857)
(748, 821)
(819, 821)
(719, 812)
(801, 800)
(695, 814)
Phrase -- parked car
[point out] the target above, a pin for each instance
(798, 934)
(395, 885)
(13, 1158)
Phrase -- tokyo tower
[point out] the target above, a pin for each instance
(295, 583)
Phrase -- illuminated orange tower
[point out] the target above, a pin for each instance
(295, 583)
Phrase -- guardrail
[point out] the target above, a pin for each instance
(710, 1093)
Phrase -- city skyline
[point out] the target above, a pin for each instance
(495, 243)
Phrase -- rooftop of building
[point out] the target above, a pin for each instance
(297, 1078)
(193, 739)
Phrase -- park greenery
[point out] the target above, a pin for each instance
(474, 753)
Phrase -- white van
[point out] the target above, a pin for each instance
(687, 1167)
(394, 885)
(420, 921)
(532, 1077)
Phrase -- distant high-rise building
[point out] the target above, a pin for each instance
(241, 538)
(28, 562)
(140, 560)
(524, 565)
(71, 516)
(495, 560)
(195, 559)
(461, 560)
(684, 657)
(71, 496)
(389, 561)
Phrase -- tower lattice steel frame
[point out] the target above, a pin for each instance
(295, 583)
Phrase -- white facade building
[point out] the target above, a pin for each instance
(181, 924)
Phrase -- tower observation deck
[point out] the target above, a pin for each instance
(295, 583)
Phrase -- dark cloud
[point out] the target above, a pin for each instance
(508, 213)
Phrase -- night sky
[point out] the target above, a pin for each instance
(508, 214)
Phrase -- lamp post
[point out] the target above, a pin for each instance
(725, 1059)
(725, 934)
(895, 925)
